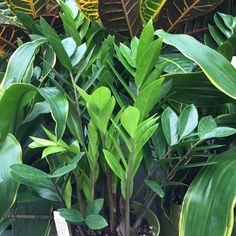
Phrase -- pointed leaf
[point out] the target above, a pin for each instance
(130, 119)
(170, 123)
(59, 108)
(188, 120)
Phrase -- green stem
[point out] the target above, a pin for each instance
(127, 197)
(151, 196)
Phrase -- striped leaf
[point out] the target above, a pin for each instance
(10, 153)
(151, 8)
(179, 11)
(31, 7)
(89, 8)
(5, 13)
(9, 34)
(208, 208)
(121, 16)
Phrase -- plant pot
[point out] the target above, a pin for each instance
(169, 226)
(150, 217)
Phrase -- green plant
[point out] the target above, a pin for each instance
(89, 119)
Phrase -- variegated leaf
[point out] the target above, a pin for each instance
(89, 8)
(150, 8)
(5, 13)
(31, 7)
(179, 11)
(121, 16)
(9, 34)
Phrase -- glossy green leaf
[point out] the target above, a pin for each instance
(56, 44)
(95, 222)
(31, 176)
(216, 67)
(52, 150)
(170, 123)
(63, 170)
(38, 109)
(130, 119)
(14, 73)
(95, 207)
(12, 103)
(71, 215)
(114, 164)
(10, 153)
(188, 120)
(146, 38)
(148, 62)
(148, 98)
(155, 187)
(207, 192)
(59, 108)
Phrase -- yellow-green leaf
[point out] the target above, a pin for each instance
(150, 9)
(89, 8)
(30, 7)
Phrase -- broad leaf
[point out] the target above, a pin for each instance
(59, 108)
(14, 73)
(148, 62)
(174, 13)
(114, 165)
(155, 187)
(121, 16)
(12, 103)
(170, 123)
(31, 7)
(148, 98)
(188, 120)
(216, 67)
(130, 119)
(96, 222)
(30, 176)
(71, 215)
(95, 207)
(89, 8)
(206, 193)
(10, 153)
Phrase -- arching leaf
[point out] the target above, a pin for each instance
(121, 17)
(208, 208)
(12, 102)
(89, 8)
(179, 11)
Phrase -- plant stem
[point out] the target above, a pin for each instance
(77, 109)
(154, 168)
(30, 217)
(151, 196)
(127, 197)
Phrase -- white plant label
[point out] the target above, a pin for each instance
(61, 225)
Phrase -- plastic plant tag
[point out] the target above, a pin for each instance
(61, 225)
